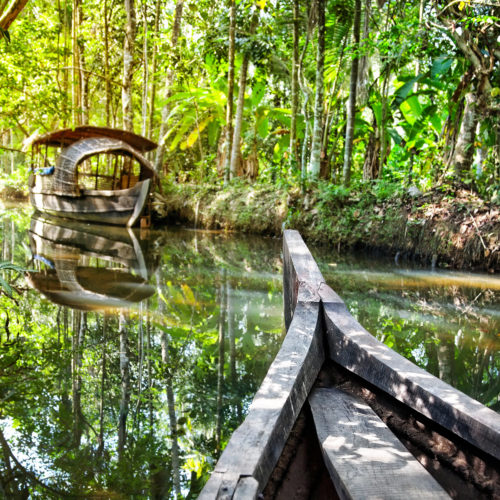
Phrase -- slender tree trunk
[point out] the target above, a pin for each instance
(128, 67)
(315, 160)
(383, 124)
(75, 65)
(153, 68)
(295, 82)
(351, 106)
(230, 90)
(107, 83)
(84, 85)
(169, 81)
(145, 71)
(238, 120)
(464, 149)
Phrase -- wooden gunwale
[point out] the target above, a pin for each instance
(312, 309)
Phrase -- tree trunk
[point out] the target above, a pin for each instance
(9, 16)
(238, 120)
(230, 91)
(176, 31)
(107, 83)
(75, 65)
(128, 67)
(153, 68)
(464, 150)
(316, 147)
(145, 72)
(351, 105)
(295, 82)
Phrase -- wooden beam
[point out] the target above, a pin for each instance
(255, 447)
(364, 458)
(354, 348)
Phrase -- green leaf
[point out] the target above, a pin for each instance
(6, 287)
(402, 93)
(263, 126)
(441, 65)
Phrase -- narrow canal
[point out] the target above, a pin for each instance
(127, 359)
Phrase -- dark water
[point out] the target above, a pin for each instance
(127, 359)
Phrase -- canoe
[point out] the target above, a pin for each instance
(91, 174)
(341, 415)
(89, 266)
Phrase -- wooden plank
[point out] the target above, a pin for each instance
(255, 447)
(247, 489)
(302, 279)
(357, 350)
(365, 460)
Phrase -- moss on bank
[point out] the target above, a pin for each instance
(444, 227)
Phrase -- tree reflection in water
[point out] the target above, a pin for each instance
(136, 401)
(139, 400)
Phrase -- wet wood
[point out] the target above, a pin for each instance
(364, 458)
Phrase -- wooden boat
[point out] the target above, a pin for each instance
(92, 174)
(341, 415)
(89, 266)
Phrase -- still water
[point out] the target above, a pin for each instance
(128, 358)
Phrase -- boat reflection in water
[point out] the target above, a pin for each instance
(89, 266)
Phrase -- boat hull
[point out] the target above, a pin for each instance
(121, 207)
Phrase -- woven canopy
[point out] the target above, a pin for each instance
(63, 138)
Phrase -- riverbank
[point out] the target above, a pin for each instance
(442, 227)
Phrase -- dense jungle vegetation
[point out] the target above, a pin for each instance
(357, 94)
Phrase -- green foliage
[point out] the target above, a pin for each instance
(5, 287)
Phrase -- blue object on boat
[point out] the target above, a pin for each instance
(44, 260)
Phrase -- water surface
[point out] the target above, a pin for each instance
(127, 359)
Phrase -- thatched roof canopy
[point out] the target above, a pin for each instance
(66, 137)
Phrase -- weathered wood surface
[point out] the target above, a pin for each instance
(69, 136)
(315, 313)
(256, 445)
(354, 348)
(122, 208)
(365, 460)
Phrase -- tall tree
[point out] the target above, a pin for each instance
(154, 61)
(169, 81)
(230, 90)
(295, 81)
(351, 105)
(128, 66)
(314, 165)
(238, 119)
